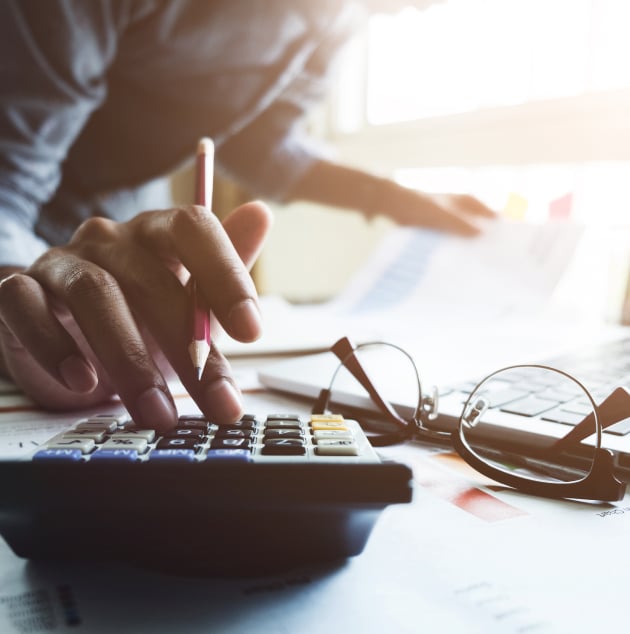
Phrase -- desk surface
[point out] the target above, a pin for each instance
(461, 558)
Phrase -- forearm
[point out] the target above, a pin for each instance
(336, 185)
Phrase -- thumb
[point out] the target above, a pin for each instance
(247, 227)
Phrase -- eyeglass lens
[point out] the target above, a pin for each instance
(506, 420)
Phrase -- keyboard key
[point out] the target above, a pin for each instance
(283, 447)
(622, 428)
(71, 455)
(176, 455)
(125, 455)
(562, 416)
(529, 406)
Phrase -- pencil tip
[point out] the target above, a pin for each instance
(199, 373)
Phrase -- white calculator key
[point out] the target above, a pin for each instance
(335, 434)
(329, 447)
(105, 425)
(84, 444)
(147, 434)
(97, 435)
(116, 442)
(117, 419)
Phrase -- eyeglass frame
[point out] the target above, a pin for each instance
(600, 483)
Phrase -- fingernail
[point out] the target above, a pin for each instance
(78, 375)
(156, 409)
(245, 320)
(224, 402)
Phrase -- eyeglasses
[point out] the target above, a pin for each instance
(489, 434)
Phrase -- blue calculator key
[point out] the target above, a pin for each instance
(115, 454)
(74, 455)
(187, 455)
(242, 455)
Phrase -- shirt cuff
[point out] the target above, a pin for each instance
(18, 245)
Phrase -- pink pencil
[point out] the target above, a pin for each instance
(199, 347)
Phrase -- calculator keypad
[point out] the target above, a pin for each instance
(274, 438)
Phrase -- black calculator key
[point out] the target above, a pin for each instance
(248, 418)
(185, 432)
(230, 443)
(191, 424)
(275, 417)
(283, 424)
(241, 424)
(283, 433)
(227, 432)
(284, 447)
(177, 443)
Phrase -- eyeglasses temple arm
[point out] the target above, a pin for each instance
(344, 350)
(612, 409)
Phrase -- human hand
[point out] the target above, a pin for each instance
(109, 312)
(454, 213)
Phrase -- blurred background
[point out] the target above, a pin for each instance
(523, 103)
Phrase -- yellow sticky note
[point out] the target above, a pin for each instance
(515, 207)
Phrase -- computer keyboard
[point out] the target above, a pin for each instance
(268, 493)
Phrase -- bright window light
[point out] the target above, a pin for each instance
(459, 56)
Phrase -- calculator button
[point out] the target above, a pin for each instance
(185, 455)
(325, 426)
(104, 426)
(116, 442)
(327, 418)
(278, 417)
(239, 455)
(129, 455)
(283, 424)
(84, 445)
(226, 432)
(241, 424)
(284, 447)
(193, 418)
(248, 418)
(230, 443)
(185, 432)
(283, 433)
(116, 419)
(327, 447)
(191, 424)
(177, 443)
(334, 434)
(72, 455)
(135, 432)
(97, 435)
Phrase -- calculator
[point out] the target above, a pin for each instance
(264, 495)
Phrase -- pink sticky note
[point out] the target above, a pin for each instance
(560, 208)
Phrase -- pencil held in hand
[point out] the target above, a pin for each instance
(199, 347)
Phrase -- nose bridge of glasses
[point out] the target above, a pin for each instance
(474, 410)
